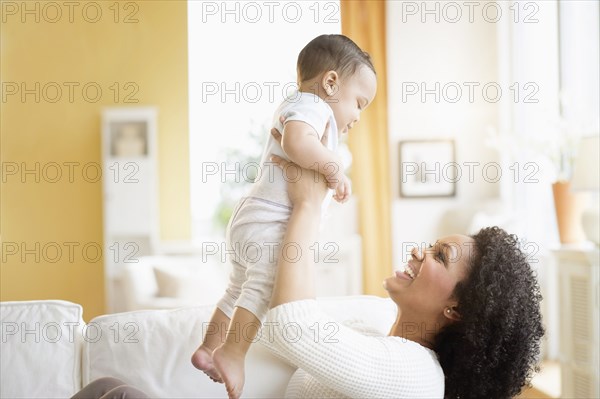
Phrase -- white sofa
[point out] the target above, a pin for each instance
(48, 351)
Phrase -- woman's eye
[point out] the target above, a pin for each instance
(442, 258)
(439, 255)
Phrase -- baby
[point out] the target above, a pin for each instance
(336, 82)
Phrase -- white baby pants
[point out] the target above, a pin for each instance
(254, 234)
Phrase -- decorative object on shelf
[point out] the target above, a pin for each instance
(427, 168)
(129, 139)
(586, 177)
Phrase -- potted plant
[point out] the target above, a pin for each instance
(555, 150)
(569, 205)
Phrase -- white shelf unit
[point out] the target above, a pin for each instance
(130, 192)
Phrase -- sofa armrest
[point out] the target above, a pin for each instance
(40, 349)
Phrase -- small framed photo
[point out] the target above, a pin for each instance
(428, 168)
(128, 132)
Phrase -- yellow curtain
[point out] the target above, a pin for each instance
(364, 23)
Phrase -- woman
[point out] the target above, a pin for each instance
(468, 323)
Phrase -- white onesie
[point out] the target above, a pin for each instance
(303, 107)
(259, 220)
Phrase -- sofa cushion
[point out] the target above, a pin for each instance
(167, 282)
(190, 284)
(151, 350)
(41, 349)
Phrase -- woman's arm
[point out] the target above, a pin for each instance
(338, 357)
(353, 364)
(295, 269)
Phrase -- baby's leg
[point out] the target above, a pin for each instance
(217, 328)
(251, 306)
(259, 228)
(230, 357)
(215, 335)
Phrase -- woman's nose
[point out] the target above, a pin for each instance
(416, 252)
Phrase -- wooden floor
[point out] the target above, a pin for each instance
(532, 393)
(546, 384)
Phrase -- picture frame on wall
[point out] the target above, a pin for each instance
(428, 168)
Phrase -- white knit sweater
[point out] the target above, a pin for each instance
(335, 361)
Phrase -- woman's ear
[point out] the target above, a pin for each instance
(330, 83)
(451, 313)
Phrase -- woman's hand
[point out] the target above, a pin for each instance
(305, 186)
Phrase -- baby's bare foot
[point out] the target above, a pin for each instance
(202, 360)
(230, 365)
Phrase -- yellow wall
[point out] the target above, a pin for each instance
(151, 53)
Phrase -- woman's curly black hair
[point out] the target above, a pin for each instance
(493, 350)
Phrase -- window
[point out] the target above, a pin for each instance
(559, 55)
(579, 64)
(242, 63)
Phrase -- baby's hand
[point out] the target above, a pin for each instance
(333, 173)
(338, 181)
(343, 189)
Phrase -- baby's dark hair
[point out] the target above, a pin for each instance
(493, 351)
(331, 52)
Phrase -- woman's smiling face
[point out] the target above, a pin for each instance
(427, 285)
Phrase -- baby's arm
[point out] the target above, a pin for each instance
(302, 145)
